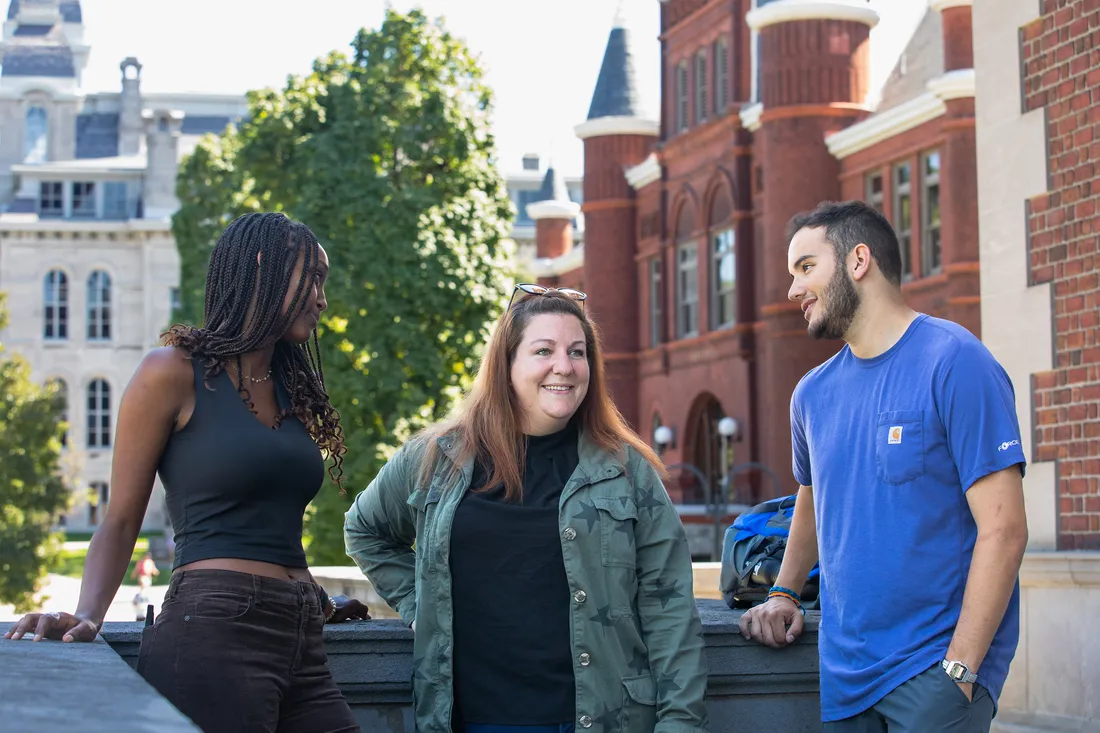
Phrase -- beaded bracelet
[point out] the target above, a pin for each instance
(328, 606)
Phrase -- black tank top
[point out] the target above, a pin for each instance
(233, 486)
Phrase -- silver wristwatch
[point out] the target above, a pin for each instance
(958, 671)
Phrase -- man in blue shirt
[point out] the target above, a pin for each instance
(907, 450)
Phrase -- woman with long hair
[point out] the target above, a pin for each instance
(235, 418)
(531, 545)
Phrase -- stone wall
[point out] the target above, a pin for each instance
(751, 687)
(1058, 59)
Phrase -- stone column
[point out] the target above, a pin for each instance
(162, 136)
(959, 166)
(130, 125)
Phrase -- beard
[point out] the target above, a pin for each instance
(841, 301)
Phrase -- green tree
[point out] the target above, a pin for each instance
(32, 493)
(386, 154)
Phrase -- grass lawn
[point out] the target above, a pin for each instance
(71, 562)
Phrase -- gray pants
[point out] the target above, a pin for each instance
(931, 702)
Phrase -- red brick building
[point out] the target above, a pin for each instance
(764, 113)
(1060, 68)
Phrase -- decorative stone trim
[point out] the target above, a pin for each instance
(1078, 569)
(750, 116)
(957, 84)
(555, 266)
(885, 125)
(553, 210)
(603, 126)
(645, 173)
(785, 11)
(941, 5)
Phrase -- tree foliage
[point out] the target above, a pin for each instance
(32, 494)
(386, 154)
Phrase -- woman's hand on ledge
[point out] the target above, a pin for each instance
(348, 609)
(63, 626)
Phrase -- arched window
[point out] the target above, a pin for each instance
(687, 274)
(97, 502)
(63, 393)
(99, 414)
(36, 136)
(56, 300)
(722, 263)
(99, 306)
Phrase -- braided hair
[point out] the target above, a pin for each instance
(263, 248)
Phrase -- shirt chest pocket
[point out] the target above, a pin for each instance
(899, 446)
(426, 504)
(618, 515)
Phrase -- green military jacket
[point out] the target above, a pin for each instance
(637, 638)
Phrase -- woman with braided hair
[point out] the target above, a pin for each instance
(235, 418)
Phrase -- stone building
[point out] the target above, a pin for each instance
(87, 258)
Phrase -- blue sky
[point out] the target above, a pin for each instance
(542, 58)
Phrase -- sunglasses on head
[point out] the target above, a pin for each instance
(533, 289)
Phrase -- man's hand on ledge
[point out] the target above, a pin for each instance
(777, 623)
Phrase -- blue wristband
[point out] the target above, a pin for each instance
(780, 589)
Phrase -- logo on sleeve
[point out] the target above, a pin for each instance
(1008, 444)
(895, 435)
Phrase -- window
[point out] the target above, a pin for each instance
(114, 200)
(700, 86)
(51, 199)
(56, 301)
(723, 280)
(930, 246)
(99, 414)
(36, 136)
(174, 301)
(903, 217)
(99, 306)
(84, 200)
(655, 302)
(63, 393)
(687, 282)
(97, 502)
(681, 96)
(874, 191)
(721, 76)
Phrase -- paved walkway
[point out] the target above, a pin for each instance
(63, 593)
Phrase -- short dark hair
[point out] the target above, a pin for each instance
(849, 223)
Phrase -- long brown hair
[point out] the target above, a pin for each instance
(489, 423)
(238, 319)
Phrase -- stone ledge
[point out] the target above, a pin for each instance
(52, 686)
(1076, 569)
(751, 687)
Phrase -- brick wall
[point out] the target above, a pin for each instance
(1060, 55)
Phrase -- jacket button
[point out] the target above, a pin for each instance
(585, 659)
(570, 533)
(580, 596)
(586, 721)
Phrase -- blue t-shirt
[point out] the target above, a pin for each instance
(890, 446)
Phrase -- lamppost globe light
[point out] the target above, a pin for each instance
(662, 435)
(727, 427)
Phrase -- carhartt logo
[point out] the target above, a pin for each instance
(895, 435)
(1008, 444)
